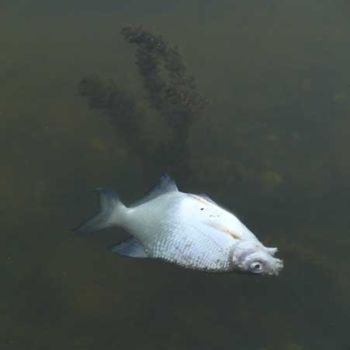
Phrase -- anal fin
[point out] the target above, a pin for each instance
(131, 248)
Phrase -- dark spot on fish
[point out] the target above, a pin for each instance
(202, 208)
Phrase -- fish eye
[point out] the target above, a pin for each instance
(256, 267)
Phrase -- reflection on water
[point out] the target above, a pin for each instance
(272, 145)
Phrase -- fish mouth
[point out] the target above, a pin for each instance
(277, 267)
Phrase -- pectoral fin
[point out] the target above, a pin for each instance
(131, 248)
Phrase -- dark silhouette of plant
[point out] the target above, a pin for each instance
(170, 90)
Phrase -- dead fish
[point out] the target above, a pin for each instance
(186, 229)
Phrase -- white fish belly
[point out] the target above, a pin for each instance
(193, 247)
(174, 228)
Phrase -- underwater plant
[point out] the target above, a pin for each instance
(170, 90)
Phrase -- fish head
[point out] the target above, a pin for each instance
(253, 257)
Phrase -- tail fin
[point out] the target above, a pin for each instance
(111, 213)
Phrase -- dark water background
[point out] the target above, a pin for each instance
(273, 145)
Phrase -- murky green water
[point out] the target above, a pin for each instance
(272, 144)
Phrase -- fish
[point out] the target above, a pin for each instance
(190, 230)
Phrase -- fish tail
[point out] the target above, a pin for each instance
(112, 212)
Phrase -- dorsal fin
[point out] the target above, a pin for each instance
(165, 185)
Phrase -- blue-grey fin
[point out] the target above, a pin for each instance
(131, 248)
(165, 185)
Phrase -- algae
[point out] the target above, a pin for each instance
(171, 92)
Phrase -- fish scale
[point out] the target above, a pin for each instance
(191, 249)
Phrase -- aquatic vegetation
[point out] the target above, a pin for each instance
(175, 95)
(117, 104)
(171, 92)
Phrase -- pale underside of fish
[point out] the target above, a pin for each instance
(187, 229)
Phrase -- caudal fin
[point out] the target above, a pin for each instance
(111, 213)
